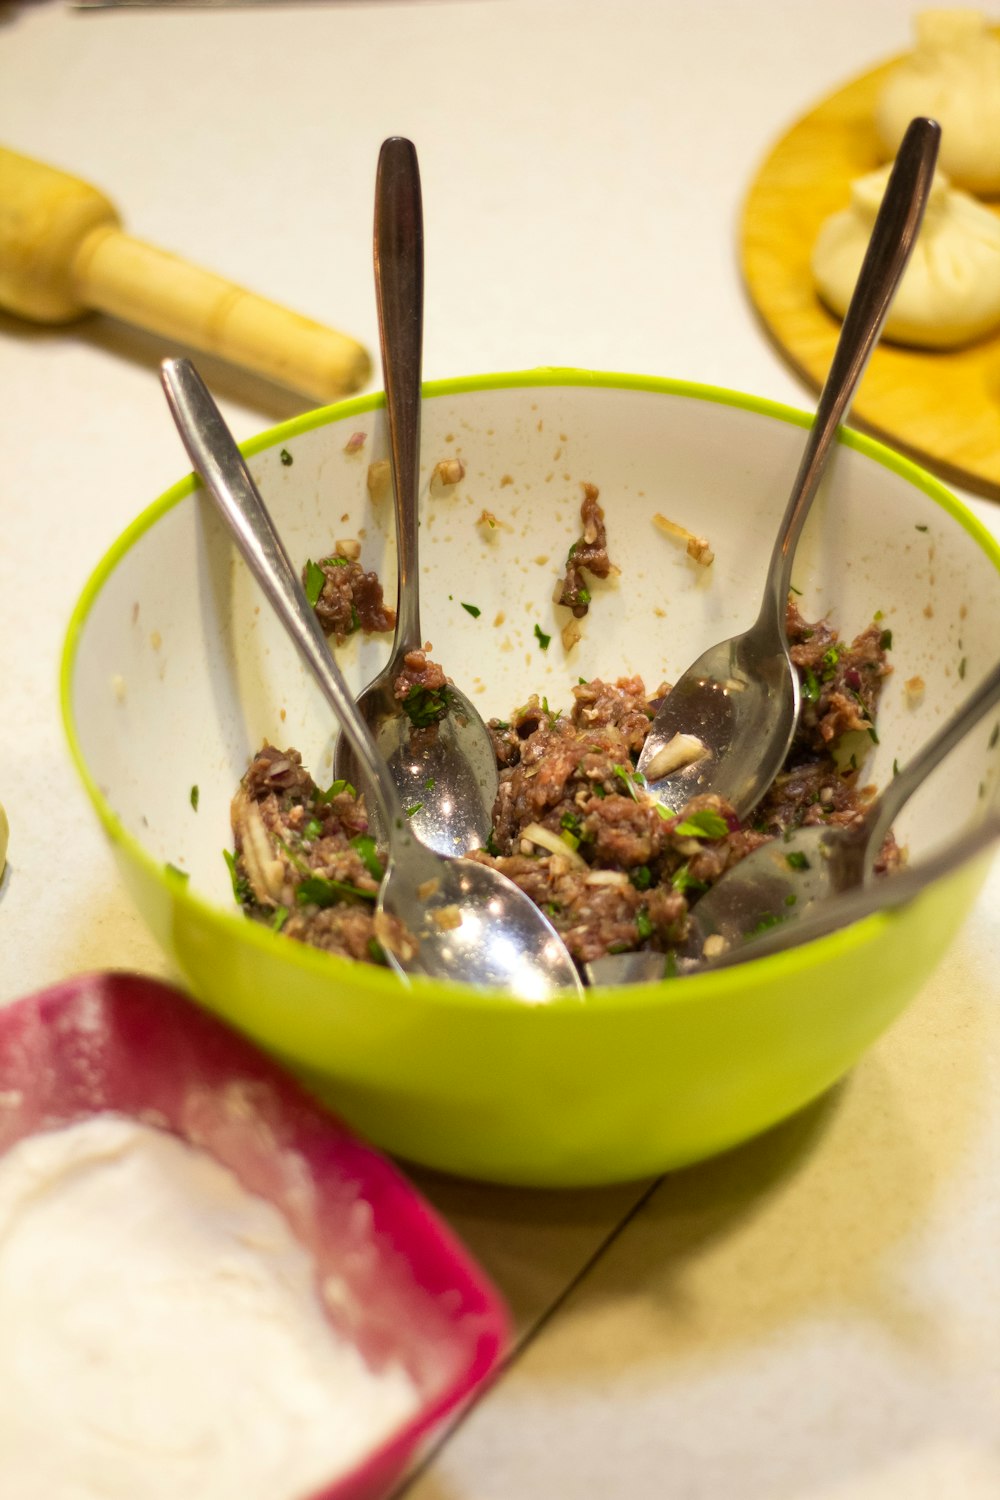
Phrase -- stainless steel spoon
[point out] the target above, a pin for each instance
(785, 879)
(841, 910)
(468, 922)
(739, 702)
(446, 772)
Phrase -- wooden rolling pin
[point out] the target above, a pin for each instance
(63, 253)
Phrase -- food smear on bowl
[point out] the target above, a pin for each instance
(163, 1333)
(573, 825)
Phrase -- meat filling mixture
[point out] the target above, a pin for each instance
(573, 824)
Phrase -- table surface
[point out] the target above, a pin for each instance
(815, 1316)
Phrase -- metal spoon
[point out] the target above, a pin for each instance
(446, 773)
(468, 921)
(785, 879)
(841, 910)
(740, 700)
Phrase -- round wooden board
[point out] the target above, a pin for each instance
(940, 408)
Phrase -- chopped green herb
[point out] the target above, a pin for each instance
(921, 528)
(315, 579)
(767, 921)
(791, 898)
(682, 880)
(241, 885)
(885, 640)
(641, 877)
(829, 661)
(873, 734)
(316, 890)
(335, 560)
(376, 952)
(411, 812)
(365, 845)
(429, 784)
(643, 924)
(542, 639)
(793, 590)
(810, 686)
(195, 794)
(425, 706)
(286, 458)
(334, 790)
(627, 776)
(491, 845)
(570, 839)
(706, 824)
(313, 829)
(280, 918)
(797, 860)
(473, 610)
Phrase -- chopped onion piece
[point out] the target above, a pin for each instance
(265, 871)
(681, 750)
(446, 474)
(697, 546)
(379, 475)
(714, 946)
(536, 833)
(606, 877)
(571, 633)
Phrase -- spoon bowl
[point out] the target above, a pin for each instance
(506, 940)
(728, 723)
(445, 769)
(784, 880)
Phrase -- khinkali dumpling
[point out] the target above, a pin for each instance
(953, 75)
(950, 291)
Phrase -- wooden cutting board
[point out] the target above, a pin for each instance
(940, 408)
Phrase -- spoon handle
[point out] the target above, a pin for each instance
(399, 292)
(892, 239)
(885, 809)
(214, 454)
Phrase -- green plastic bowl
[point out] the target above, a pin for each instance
(174, 672)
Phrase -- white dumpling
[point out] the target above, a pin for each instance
(950, 291)
(953, 75)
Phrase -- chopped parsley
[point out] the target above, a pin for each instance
(334, 790)
(317, 890)
(314, 581)
(706, 824)
(280, 918)
(241, 885)
(473, 610)
(195, 794)
(797, 860)
(885, 640)
(411, 812)
(425, 706)
(641, 877)
(810, 686)
(542, 639)
(682, 880)
(313, 829)
(643, 924)
(286, 458)
(365, 846)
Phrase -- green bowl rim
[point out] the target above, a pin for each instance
(692, 989)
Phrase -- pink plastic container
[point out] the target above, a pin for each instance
(138, 1047)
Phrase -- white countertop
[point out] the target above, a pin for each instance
(815, 1316)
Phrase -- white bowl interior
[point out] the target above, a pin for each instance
(181, 670)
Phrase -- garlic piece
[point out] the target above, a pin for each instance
(950, 291)
(681, 750)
